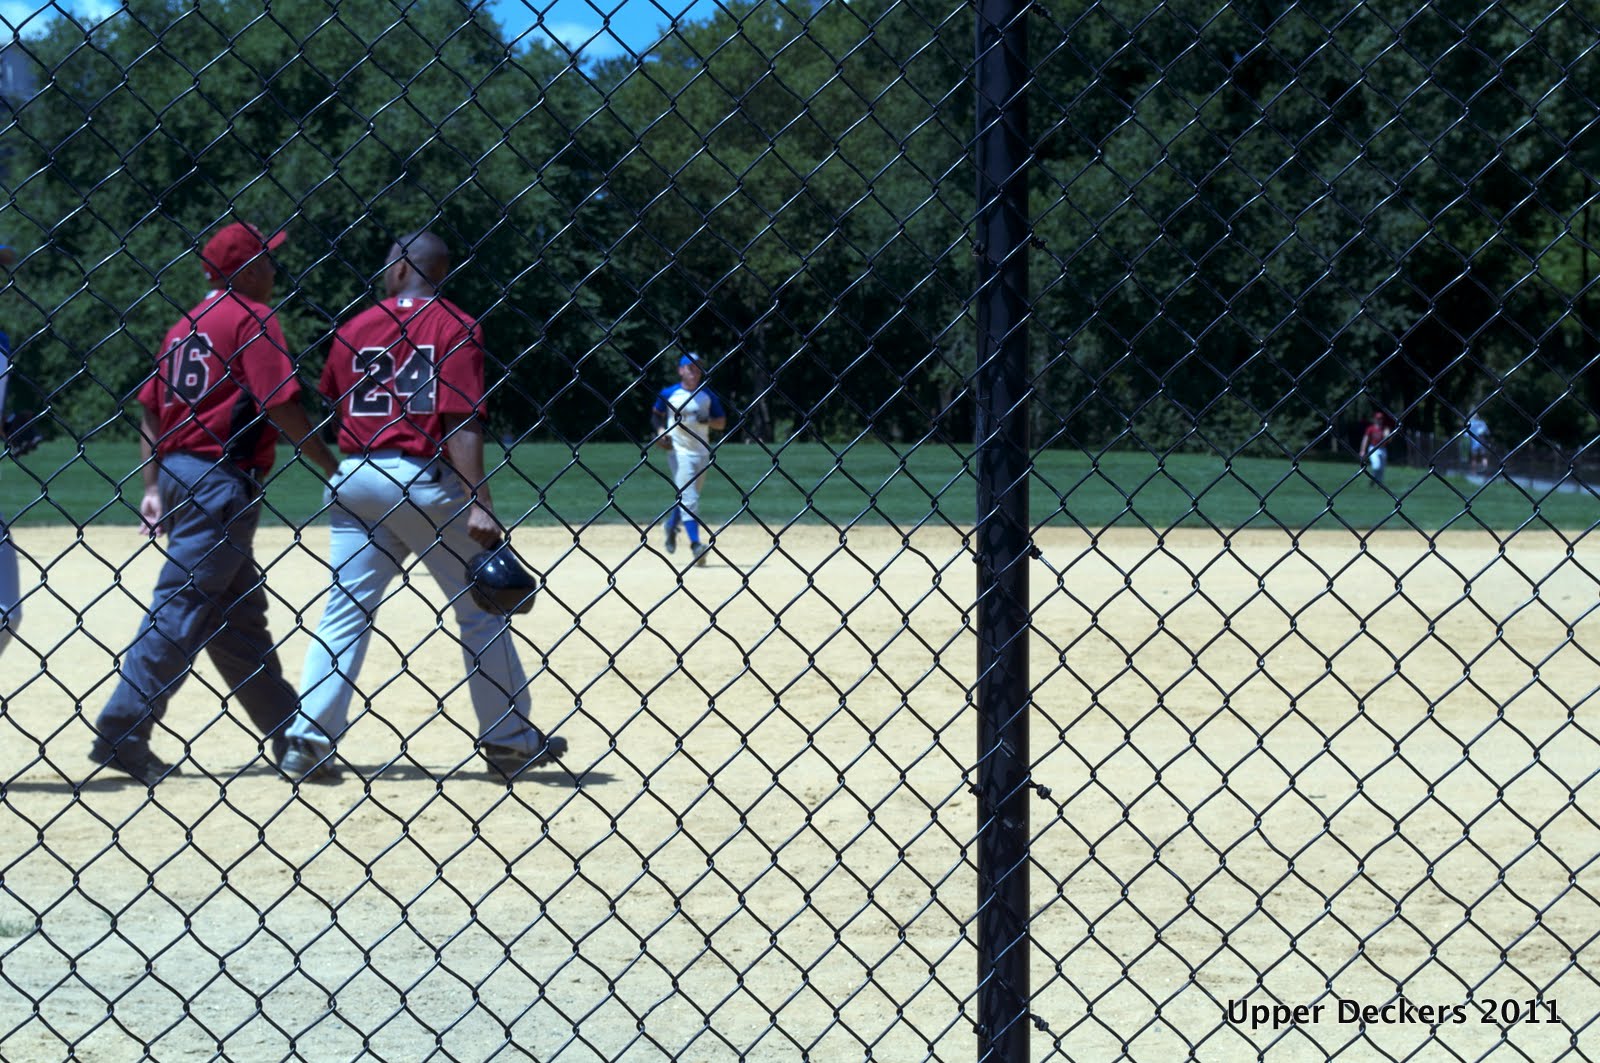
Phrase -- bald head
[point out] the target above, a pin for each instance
(418, 263)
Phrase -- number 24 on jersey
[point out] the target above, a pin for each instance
(381, 382)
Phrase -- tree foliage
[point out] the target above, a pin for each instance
(1251, 221)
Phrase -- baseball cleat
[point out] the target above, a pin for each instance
(700, 552)
(511, 762)
(304, 762)
(672, 539)
(131, 757)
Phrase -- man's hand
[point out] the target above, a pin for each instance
(22, 434)
(150, 512)
(483, 526)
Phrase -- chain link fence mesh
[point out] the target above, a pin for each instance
(1302, 735)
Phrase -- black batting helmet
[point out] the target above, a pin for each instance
(499, 582)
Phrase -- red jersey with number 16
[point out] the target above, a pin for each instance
(395, 368)
(221, 365)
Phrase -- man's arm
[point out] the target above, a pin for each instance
(290, 419)
(658, 425)
(463, 449)
(150, 506)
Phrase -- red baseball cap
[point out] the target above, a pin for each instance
(234, 246)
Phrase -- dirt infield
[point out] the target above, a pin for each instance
(1276, 769)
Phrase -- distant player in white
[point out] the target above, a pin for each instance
(689, 413)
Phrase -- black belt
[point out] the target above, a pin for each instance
(249, 472)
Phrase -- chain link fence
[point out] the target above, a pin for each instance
(1043, 548)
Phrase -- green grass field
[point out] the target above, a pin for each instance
(546, 483)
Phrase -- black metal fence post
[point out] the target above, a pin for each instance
(1002, 692)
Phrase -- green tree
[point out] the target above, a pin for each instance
(350, 124)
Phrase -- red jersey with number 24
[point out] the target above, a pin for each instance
(396, 368)
(221, 365)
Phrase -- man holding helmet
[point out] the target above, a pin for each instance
(407, 379)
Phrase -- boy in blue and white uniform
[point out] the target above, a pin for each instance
(1478, 441)
(10, 585)
(688, 413)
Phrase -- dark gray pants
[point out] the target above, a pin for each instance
(209, 596)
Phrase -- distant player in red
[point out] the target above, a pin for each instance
(1375, 445)
(407, 379)
(222, 390)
